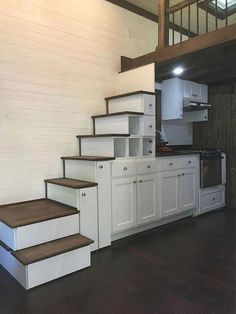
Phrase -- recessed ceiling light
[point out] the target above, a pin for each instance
(178, 70)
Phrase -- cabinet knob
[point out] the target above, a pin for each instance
(194, 95)
(150, 105)
(83, 194)
(213, 198)
(150, 126)
(148, 166)
(150, 151)
(182, 174)
(140, 181)
(125, 168)
(150, 141)
(134, 181)
(101, 167)
(171, 164)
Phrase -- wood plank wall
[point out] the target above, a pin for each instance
(220, 131)
(58, 60)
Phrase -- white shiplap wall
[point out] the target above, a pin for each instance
(58, 60)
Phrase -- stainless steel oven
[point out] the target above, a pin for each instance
(211, 168)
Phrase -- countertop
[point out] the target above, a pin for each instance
(178, 153)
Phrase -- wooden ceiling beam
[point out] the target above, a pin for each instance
(148, 15)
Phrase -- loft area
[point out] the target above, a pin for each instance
(189, 37)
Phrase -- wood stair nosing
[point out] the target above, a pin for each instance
(121, 113)
(129, 94)
(50, 249)
(71, 183)
(27, 213)
(88, 158)
(102, 135)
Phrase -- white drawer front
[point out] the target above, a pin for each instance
(188, 162)
(147, 166)
(149, 126)
(169, 163)
(149, 104)
(212, 200)
(126, 168)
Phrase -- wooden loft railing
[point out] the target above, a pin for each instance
(210, 25)
(200, 16)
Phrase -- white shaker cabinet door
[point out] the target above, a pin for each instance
(169, 193)
(147, 198)
(123, 203)
(188, 195)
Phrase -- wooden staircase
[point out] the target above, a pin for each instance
(45, 239)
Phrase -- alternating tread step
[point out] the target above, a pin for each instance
(71, 183)
(43, 251)
(103, 135)
(121, 113)
(129, 94)
(88, 158)
(22, 214)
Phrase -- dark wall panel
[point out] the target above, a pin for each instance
(220, 132)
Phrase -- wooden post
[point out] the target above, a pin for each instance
(163, 25)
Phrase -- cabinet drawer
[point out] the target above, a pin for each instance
(188, 162)
(126, 168)
(169, 163)
(149, 104)
(149, 124)
(147, 166)
(212, 199)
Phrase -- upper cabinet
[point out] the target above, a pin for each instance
(177, 94)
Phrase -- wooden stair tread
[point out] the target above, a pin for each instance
(22, 214)
(103, 135)
(89, 158)
(71, 183)
(134, 113)
(129, 94)
(46, 250)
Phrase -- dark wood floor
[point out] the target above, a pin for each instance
(183, 268)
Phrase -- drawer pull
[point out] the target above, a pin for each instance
(178, 175)
(182, 174)
(134, 181)
(150, 126)
(189, 162)
(83, 194)
(213, 198)
(140, 181)
(150, 151)
(149, 166)
(101, 167)
(150, 105)
(194, 95)
(125, 168)
(150, 141)
(171, 164)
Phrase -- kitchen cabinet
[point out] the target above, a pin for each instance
(134, 194)
(178, 189)
(169, 193)
(175, 91)
(147, 198)
(123, 203)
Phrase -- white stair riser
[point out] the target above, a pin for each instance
(46, 270)
(34, 234)
(62, 194)
(98, 146)
(140, 102)
(85, 200)
(126, 124)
